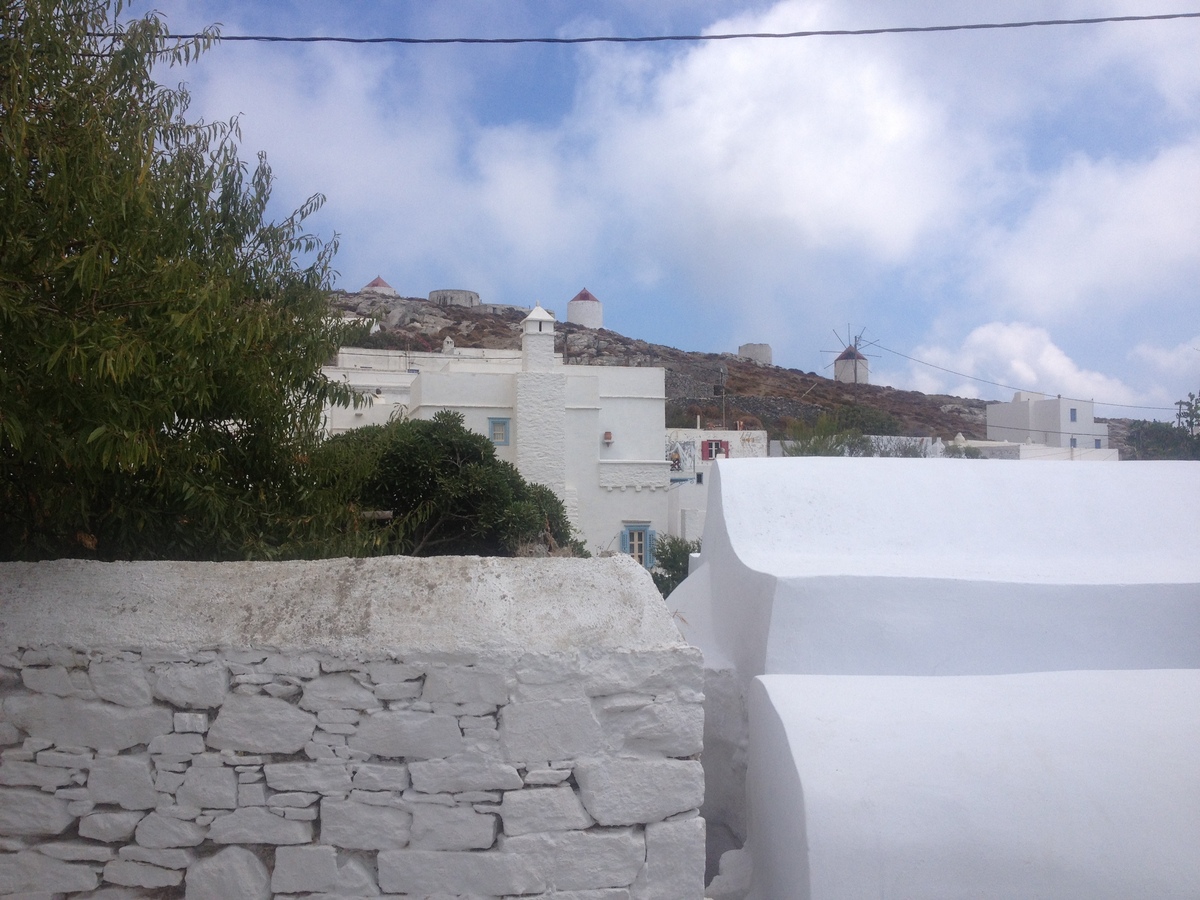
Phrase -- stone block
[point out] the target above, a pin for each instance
(405, 733)
(49, 680)
(549, 729)
(76, 851)
(255, 825)
(451, 828)
(14, 773)
(176, 747)
(305, 869)
(293, 799)
(398, 690)
(29, 872)
(337, 692)
(295, 666)
(381, 777)
(252, 794)
(633, 791)
(491, 874)
(126, 781)
(672, 728)
(121, 682)
(109, 826)
(339, 716)
(674, 868)
(388, 672)
(463, 772)
(29, 812)
(360, 826)
(261, 725)
(86, 723)
(9, 734)
(191, 723)
(192, 687)
(139, 874)
(159, 831)
(209, 788)
(582, 860)
(645, 671)
(324, 778)
(355, 880)
(547, 776)
(168, 859)
(543, 809)
(233, 872)
(58, 758)
(462, 684)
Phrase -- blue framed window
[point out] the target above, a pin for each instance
(1074, 442)
(638, 541)
(1097, 443)
(1074, 414)
(498, 431)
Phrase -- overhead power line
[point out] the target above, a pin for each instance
(678, 38)
(1009, 387)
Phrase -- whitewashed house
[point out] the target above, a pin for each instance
(1053, 421)
(692, 452)
(593, 434)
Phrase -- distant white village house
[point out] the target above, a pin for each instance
(593, 434)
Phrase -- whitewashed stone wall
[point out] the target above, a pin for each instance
(558, 756)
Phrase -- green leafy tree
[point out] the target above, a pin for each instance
(671, 562)
(160, 385)
(434, 487)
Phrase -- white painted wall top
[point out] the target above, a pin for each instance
(991, 520)
(346, 607)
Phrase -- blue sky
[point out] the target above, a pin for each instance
(1020, 206)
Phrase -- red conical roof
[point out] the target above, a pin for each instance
(585, 294)
(379, 283)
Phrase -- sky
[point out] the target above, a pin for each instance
(1019, 207)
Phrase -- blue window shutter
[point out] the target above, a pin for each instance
(625, 540)
(650, 536)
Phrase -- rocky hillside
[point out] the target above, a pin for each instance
(758, 395)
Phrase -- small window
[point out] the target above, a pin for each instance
(498, 431)
(1074, 414)
(699, 478)
(1074, 442)
(638, 542)
(1097, 443)
(713, 449)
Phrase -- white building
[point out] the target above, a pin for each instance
(851, 367)
(593, 434)
(584, 309)
(1055, 422)
(692, 452)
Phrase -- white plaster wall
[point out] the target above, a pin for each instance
(540, 432)
(588, 313)
(457, 726)
(1066, 785)
(908, 568)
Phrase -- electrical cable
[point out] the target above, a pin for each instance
(1009, 387)
(672, 38)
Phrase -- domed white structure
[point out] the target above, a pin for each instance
(584, 309)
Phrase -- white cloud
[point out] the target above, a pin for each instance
(1103, 237)
(1181, 361)
(1014, 356)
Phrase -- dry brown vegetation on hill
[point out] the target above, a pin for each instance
(769, 397)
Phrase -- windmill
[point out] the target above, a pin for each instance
(851, 365)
